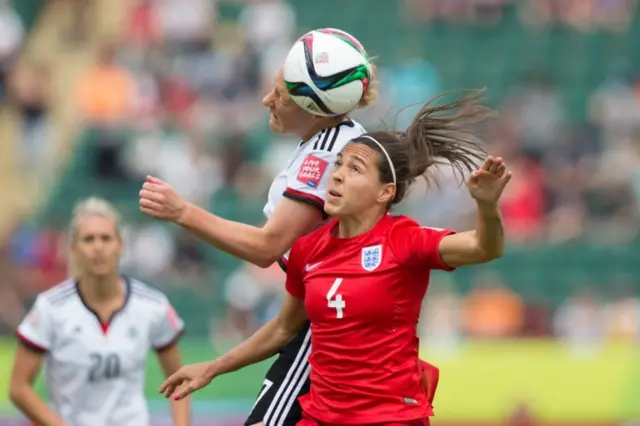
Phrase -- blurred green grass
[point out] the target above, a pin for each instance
(483, 382)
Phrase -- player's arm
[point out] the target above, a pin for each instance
(35, 335)
(298, 213)
(260, 246)
(267, 341)
(482, 245)
(166, 331)
(434, 248)
(275, 334)
(171, 360)
(26, 365)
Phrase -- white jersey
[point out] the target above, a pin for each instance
(95, 372)
(307, 173)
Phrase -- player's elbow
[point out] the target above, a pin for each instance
(266, 261)
(272, 248)
(17, 391)
(488, 254)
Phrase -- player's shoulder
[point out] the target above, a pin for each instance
(316, 237)
(333, 139)
(145, 293)
(58, 295)
(402, 222)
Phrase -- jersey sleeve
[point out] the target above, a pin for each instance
(419, 246)
(308, 177)
(36, 329)
(167, 327)
(295, 271)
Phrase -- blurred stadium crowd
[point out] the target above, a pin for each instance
(178, 95)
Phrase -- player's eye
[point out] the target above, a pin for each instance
(337, 164)
(355, 168)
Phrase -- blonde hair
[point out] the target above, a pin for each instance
(371, 94)
(92, 206)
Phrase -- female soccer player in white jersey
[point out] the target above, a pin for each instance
(93, 333)
(295, 206)
(361, 278)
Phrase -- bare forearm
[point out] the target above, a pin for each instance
(180, 412)
(238, 239)
(490, 230)
(34, 408)
(264, 343)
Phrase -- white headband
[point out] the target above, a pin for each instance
(386, 154)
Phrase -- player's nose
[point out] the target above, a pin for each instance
(267, 100)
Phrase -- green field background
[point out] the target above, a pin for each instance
(483, 382)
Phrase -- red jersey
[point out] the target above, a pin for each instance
(363, 296)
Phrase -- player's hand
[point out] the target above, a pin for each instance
(158, 199)
(487, 183)
(187, 380)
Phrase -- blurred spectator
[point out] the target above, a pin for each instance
(579, 323)
(31, 90)
(535, 111)
(245, 291)
(270, 42)
(524, 201)
(583, 15)
(492, 310)
(150, 250)
(483, 11)
(186, 25)
(106, 92)
(81, 19)
(143, 28)
(11, 36)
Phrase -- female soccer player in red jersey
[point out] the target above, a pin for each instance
(361, 277)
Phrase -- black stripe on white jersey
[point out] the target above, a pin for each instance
(289, 388)
(321, 136)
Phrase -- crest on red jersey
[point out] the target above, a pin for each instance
(371, 257)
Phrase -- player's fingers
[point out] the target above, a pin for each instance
(487, 163)
(493, 168)
(151, 196)
(507, 177)
(501, 169)
(150, 204)
(170, 384)
(183, 393)
(153, 187)
(156, 181)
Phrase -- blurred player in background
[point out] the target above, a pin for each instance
(295, 206)
(361, 278)
(93, 334)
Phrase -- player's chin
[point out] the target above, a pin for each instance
(332, 208)
(275, 124)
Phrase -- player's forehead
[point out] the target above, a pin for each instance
(358, 152)
(96, 224)
(278, 81)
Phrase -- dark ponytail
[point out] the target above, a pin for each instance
(438, 135)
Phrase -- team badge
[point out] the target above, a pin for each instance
(371, 257)
(312, 170)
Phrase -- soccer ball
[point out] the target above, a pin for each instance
(327, 72)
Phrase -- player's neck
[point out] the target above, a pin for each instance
(101, 289)
(324, 123)
(350, 227)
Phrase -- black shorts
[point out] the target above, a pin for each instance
(287, 379)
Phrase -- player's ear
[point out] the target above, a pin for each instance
(387, 193)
